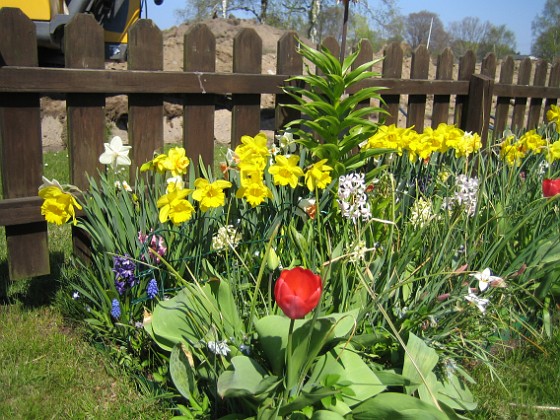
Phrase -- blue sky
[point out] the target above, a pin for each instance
(517, 15)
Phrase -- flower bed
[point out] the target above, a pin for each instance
(349, 269)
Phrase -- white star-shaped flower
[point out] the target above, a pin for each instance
(115, 154)
(479, 302)
(485, 278)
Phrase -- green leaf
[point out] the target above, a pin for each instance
(424, 360)
(357, 380)
(247, 378)
(391, 405)
(326, 415)
(182, 372)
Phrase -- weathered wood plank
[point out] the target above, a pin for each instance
(467, 64)
(246, 111)
(199, 109)
(477, 116)
(86, 114)
(365, 56)
(523, 78)
(392, 68)
(440, 111)
(503, 101)
(535, 104)
(419, 69)
(21, 148)
(145, 111)
(553, 82)
(288, 61)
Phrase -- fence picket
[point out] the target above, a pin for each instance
(199, 109)
(520, 104)
(503, 102)
(535, 104)
(467, 64)
(21, 149)
(246, 112)
(288, 62)
(553, 82)
(440, 111)
(392, 69)
(419, 69)
(145, 110)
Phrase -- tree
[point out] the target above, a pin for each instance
(425, 28)
(546, 32)
(467, 34)
(498, 40)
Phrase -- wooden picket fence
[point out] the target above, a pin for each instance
(474, 101)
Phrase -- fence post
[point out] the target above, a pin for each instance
(21, 149)
(84, 49)
(246, 112)
(479, 105)
(553, 81)
(145, 111)
(288, 62)
(419, 69)
(199, 109)
(392, 69)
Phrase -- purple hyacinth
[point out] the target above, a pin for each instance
(124, 268)
(152, 289)
(115, 309)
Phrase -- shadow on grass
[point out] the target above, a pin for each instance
(36, 291)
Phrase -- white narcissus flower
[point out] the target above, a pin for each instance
(49, 183)
(479, 302)
(115, 154)
(484, 279)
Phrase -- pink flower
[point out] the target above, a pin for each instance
(156, 244)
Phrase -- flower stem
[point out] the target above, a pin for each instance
(289, 373)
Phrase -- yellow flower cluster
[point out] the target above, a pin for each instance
(174, 161)
(422, 146)
(553, 116)
(513, 150)
(252, 154)
(58, 206)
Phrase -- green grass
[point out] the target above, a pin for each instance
(48, 371)
(530, 383)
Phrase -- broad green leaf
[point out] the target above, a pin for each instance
(424, 360)
(358, 381)
(182, 372)
(247, 378)
(326, 415)
(392, 405)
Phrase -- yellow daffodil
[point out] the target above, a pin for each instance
(553, 152)
(318, 176)
(59, 206)
(177, 161)
(210, 194)
(252, 147)
(255, 193)
(532, 141)
(553, 115)
(511, 152)
(173, 206)
(286, 170)
(156, 164)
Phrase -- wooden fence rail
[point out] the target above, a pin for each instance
(458, 95)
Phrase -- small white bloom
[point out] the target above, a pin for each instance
(177, 180)
(115, 154)
(219, 347)
(225, 237)
(287, 142)
(306, 208)
(75, 295)
(479, 302)
(123, 185)
(484, 279)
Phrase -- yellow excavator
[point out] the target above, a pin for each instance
(50, 17)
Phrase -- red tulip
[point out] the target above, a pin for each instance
(297, 292)
(551, 187)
